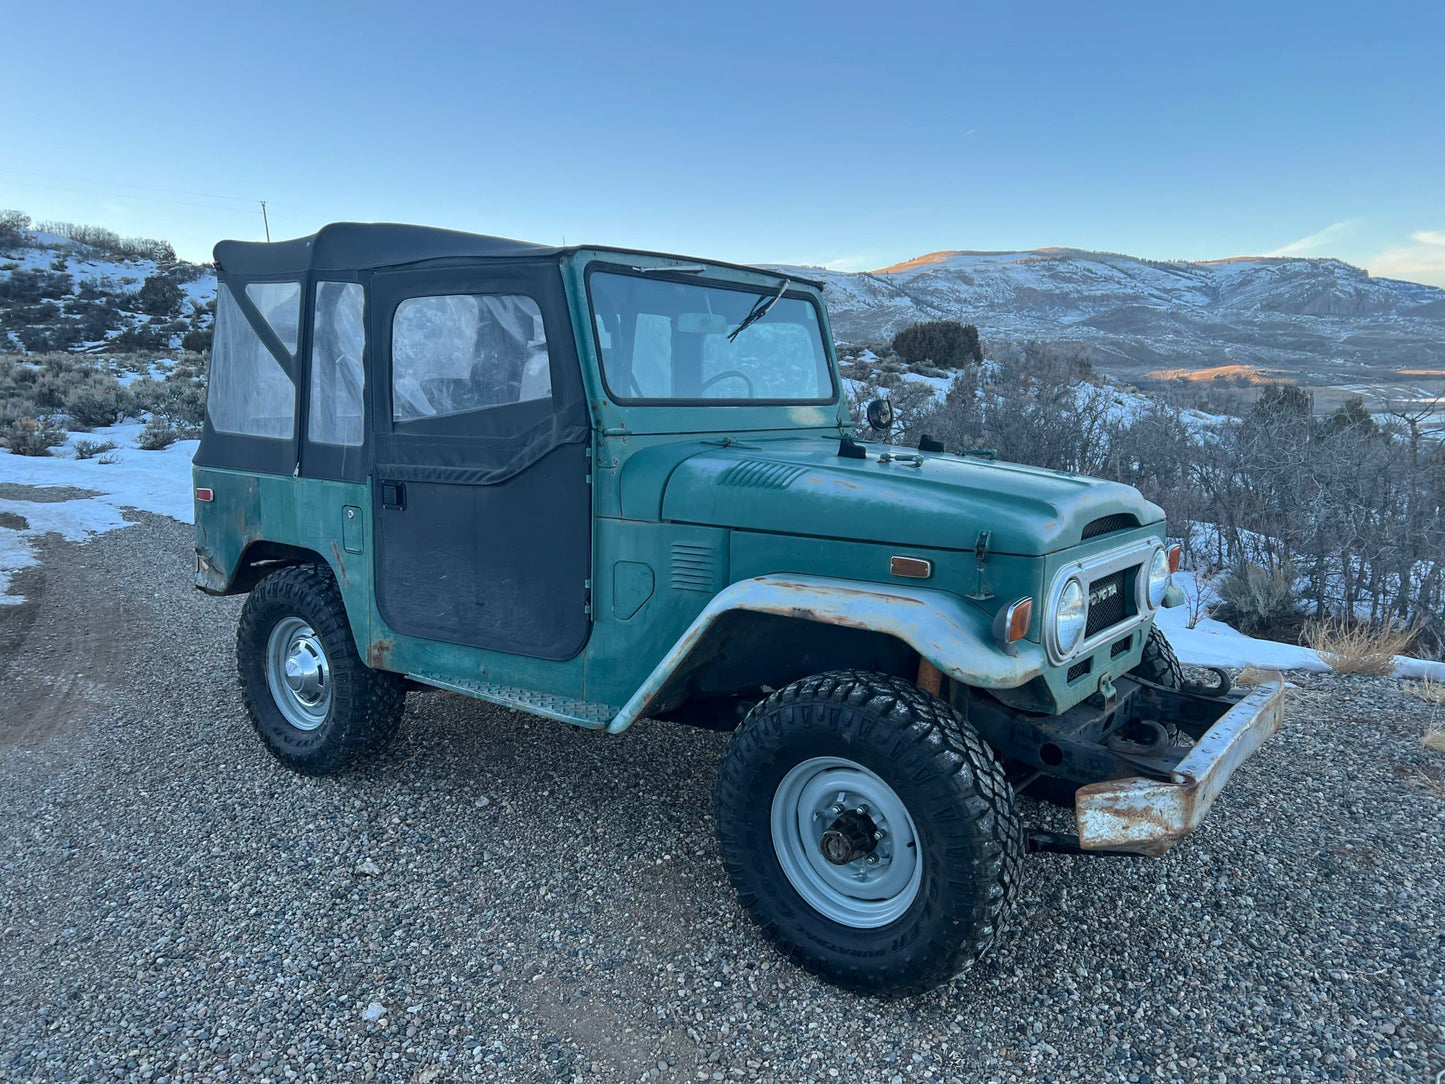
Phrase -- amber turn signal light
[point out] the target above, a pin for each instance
(1011, 623)
(1176, 554)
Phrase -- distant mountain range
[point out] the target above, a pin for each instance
(1127, 315)
(1132, 314)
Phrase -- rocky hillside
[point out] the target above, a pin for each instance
(1129, 313)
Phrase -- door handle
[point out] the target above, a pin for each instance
(393, 496)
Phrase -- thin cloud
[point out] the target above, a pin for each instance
(1330, 235)
(1423, 260)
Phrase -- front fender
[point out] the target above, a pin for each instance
(942, 628)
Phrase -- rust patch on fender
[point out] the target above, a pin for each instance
(378, 654)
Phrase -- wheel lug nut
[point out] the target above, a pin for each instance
(879, 833)
(836, 808)
(872, 859)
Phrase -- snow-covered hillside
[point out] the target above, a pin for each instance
(1269, 312)
(58, 293)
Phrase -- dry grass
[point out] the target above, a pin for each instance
(1431, 691)
(1355, 647)
(1253, 675)
(1428, 690)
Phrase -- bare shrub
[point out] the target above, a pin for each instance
(34, 436)
(1357, 647)
(94, 403)
(1197, 601)
(1260, 601)
(13, 408)
(157, 435)
(89, 449)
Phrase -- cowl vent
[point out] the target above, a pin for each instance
(760, 474)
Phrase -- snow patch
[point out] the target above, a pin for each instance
(157, 482)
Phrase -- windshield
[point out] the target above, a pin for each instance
(662, 339)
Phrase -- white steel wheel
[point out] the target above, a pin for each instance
(846, 842)
(298, 673)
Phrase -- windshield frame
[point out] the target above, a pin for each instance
(688, 278)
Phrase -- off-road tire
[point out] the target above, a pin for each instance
(955, 792)
(1158, 663)
(366, 705)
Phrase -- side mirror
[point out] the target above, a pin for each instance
(880, 415)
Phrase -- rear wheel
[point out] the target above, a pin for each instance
(316, 705)
(869, 831)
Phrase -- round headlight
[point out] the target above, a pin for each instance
(1159, 578)
(1069, 616)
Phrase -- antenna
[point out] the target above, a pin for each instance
(265, 221)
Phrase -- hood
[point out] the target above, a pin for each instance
(803, 487)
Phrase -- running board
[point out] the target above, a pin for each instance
(583, 713)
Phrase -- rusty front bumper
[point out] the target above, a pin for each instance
(1148, 816)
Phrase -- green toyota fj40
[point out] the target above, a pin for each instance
(596, 485)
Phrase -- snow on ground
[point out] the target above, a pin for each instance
(1213, 643)
(150, 481)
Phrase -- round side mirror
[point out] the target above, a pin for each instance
(880, 415)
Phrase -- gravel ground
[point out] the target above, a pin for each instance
(500, 898)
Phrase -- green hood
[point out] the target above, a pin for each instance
(804, 487)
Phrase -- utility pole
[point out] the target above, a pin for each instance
(265, 221)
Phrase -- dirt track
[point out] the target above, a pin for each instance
(547, 903)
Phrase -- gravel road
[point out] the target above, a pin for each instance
(500, 898)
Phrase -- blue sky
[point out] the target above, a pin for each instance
(851, 135)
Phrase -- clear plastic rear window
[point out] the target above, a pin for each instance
(249, 393)
(338, 338)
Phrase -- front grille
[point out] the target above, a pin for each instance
(1109, 600)
(1119, 521)
(1079, 669)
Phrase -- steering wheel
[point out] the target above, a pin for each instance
(733, 373)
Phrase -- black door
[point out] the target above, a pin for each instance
(483, 508)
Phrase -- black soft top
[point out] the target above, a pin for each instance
(360, 246)
(356, 246)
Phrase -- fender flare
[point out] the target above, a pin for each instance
(945, 629)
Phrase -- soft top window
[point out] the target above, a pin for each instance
(338, 338)
(280, 304)
(249, 393)
(455, 353)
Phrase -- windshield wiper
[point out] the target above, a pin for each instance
(761, 308)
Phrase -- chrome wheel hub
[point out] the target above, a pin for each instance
(846, 842)
(298, 673)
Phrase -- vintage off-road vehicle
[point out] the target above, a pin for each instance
(598, 485)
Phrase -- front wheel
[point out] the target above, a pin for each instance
(869, 831)
(316, 705)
